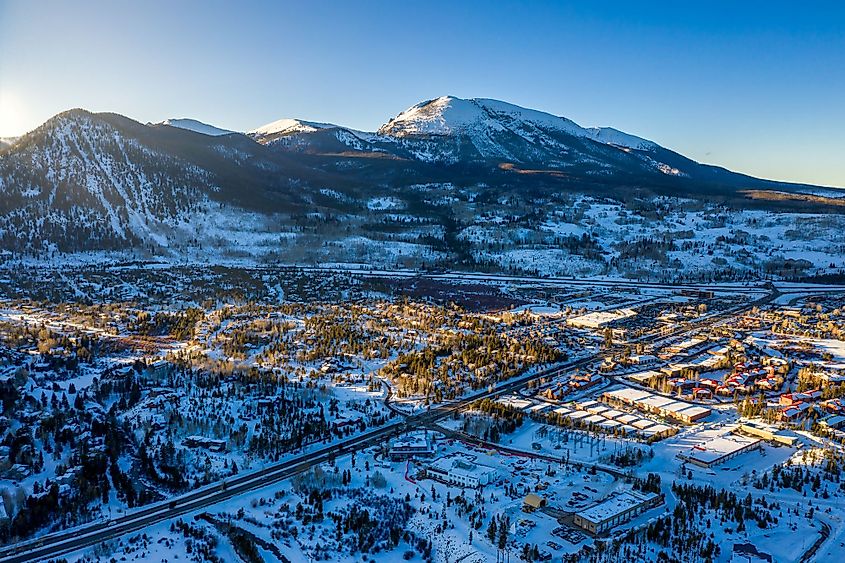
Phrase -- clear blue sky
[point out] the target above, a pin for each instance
(758, 87)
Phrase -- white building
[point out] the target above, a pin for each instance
(461, 471)
(719, 450)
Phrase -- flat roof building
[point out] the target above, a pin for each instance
(767, 432)
(595, 419)
(412, 445)
(616, 510)
(719, 450)
(538, 408)
(461, 471)
(692, 414)
(598, 319)
(514, 402)
(627, 418)
(658, 430)
(657, 404)
(643, 423)
(628, 395)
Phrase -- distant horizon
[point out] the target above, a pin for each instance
(757, 92)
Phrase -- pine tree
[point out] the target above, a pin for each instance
(491, 530)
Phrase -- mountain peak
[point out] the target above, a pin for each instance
(195, 126)
(440, 116)
(448, 115)
(286, 126)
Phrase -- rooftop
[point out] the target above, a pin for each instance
(716, 448)
(615, 505)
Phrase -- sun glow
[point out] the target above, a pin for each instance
(14, 119)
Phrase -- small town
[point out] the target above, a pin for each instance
(541, 420)
(285, 281)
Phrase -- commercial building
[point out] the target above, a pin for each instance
(616, 510)
(598, 319)
(767, 432)
(644, 359)
(411, 446)
(644, 377)
(515, 402)
(657, 404)
(614, 421)
(461, 471)
(719, 450)
(657, 431)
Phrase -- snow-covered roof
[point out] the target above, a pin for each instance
(628, 394)
(598, 319)
(717, 448)
(615, 505)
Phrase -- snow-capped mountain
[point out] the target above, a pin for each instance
(286, 126)
(450, 115)
(86, 181)
(301, 136)
(482, 119)
(195, 126)
(103, 181)
(77, 180)
(450, 129)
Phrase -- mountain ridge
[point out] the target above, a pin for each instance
(85, 181)
(195, 126)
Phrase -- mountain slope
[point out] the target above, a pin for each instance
(196, 126)
(77, 182)
(450, 181)
(86, 181)
(284, 127)
(451, 130)
(478, 137)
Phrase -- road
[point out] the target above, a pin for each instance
(811, 552)
(549, 281)
(59, 543)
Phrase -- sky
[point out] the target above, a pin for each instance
(757, 87)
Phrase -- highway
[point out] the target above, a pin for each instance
(548, 281)
(59, 543)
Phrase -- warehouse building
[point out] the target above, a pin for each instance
(719, 450)
(767, 432)
(616, 510)
(599, 319)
